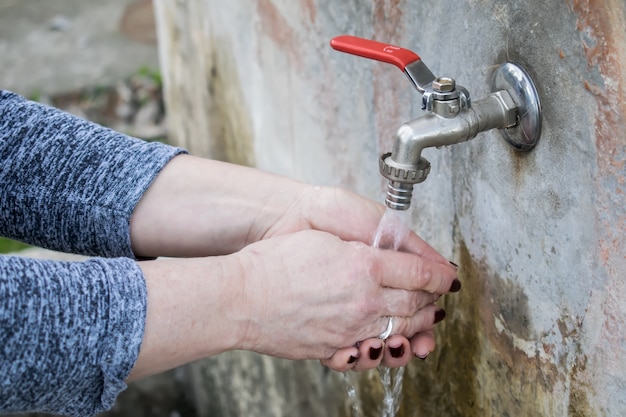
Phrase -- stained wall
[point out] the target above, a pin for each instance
(538, 328)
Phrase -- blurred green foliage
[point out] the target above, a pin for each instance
(152, 74)
(8, 245)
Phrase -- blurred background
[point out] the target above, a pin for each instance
(98, 60)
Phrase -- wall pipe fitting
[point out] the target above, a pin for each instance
(513, 107)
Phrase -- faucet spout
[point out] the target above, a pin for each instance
(405, 166)
(498, 110)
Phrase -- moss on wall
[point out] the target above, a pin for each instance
(479, 369)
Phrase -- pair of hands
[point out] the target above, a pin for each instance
(329, 232)
(298, 278)
(330, 294)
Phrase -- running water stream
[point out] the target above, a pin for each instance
(392, 230)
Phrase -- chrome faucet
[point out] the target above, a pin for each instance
(513, 107)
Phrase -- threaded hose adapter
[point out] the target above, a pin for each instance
(401, 180)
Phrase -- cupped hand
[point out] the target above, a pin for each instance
(355, 218)
(393, 352)
(345, 214)
(309, 294)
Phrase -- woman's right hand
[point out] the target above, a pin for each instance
(304, 295)
(313, 293)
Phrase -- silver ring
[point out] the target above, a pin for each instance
(384, 335)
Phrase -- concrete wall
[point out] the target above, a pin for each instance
(537, 328)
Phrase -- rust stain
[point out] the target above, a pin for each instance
(603, 37)
(602, 26)
(273, 23)
(391, 107)
(579, 405)
(387, 15)
(310, 9)
(279, 30)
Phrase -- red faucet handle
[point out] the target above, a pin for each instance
(379, 51)
(408, 61)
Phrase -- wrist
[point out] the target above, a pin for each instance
(191, 314)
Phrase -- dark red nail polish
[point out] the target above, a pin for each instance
(375, 353)
(397, 352)
(352, 359)
(456, 286)
(439, 315)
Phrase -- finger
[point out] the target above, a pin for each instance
(424, 319)
(370, 354)
(376, 329)
(406, 303)
(343, 360)
(355, 218)
(415, 244)
(397, 351)
(410, 272)
(423, 344)
(343, 213)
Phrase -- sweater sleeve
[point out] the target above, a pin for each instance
(68, 184)
(70, 333)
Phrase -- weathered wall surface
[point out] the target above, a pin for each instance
(538, 327)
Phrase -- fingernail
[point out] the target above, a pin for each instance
(456, 286)
(454, 265)
(352, 359)
(375, 353)
(422, 357)
(439, 315)
(397, 352)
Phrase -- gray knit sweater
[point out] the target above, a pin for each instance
(70, 332)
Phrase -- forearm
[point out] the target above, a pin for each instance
(192, 313)
(201, 207)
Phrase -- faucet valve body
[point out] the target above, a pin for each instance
(513, 108)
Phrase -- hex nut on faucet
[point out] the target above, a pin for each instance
(444, 84)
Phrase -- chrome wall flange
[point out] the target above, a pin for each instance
(514, 79)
